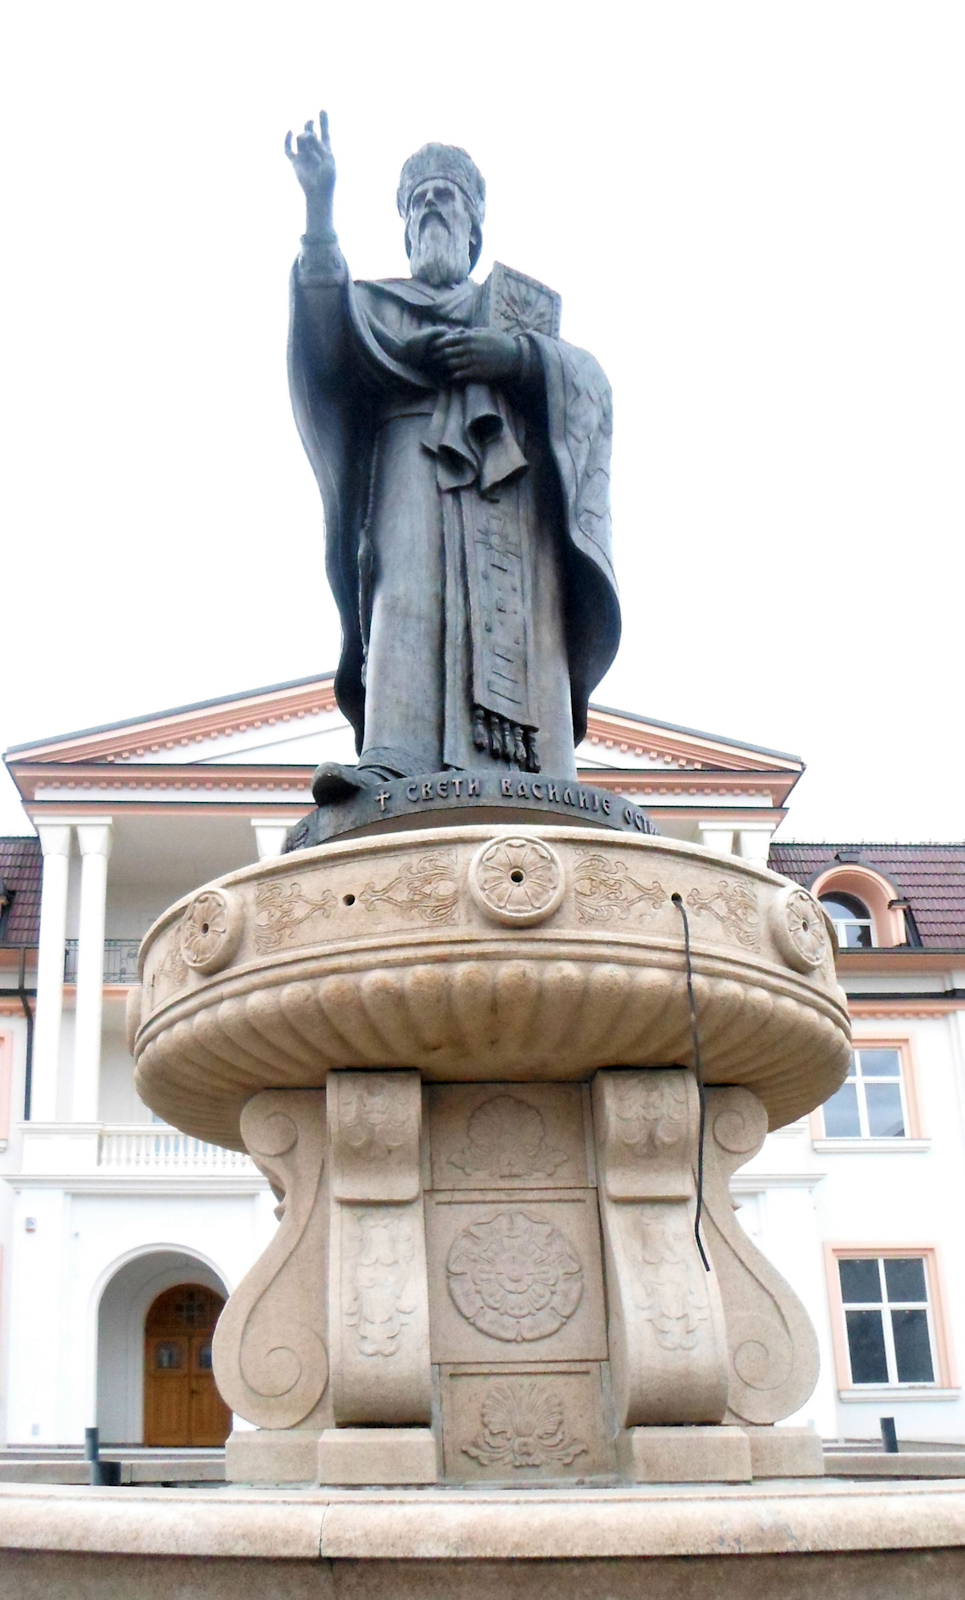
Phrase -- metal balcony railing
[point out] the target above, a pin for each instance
(120, 960)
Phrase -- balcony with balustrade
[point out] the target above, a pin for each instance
(120, 961)
(109, 1157)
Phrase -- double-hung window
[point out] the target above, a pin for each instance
(871, 1103)
(888, 1318)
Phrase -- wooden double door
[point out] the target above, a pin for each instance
(181, 1404)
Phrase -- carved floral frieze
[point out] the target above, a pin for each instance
(734, 906)
(425, 889)
(606, 892)
(280, 910)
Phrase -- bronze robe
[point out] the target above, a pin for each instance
(467, 530)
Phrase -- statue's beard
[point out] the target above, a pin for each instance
(440, 251)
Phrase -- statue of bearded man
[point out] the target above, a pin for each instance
(464, 472)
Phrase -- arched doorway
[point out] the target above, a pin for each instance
(128, 1293)
(181, 1403)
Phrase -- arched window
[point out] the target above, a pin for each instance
(852, 921)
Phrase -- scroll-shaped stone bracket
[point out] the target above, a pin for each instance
(378, 1284)
(269, 1352)
(773, 1352)
(668, 1346)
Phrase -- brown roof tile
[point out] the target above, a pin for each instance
(931, 877)
(21, 865)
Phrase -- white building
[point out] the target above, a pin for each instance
(103, 1210)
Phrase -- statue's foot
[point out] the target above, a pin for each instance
(333, 782)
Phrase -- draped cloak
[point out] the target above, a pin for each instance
(515, 492)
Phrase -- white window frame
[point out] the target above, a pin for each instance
(860, 1080)
(883, 1306)
(840, 923)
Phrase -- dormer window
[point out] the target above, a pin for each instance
(852, 920)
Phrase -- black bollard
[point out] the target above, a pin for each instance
(889, 1437)
(103, 1474)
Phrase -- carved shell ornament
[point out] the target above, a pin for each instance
(800, 931)
(514, 1277)
(507, 1139)
(211, 930)
(516, 881)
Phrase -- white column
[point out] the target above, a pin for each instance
(755, 841)
(269, 836)
(717, 836)
(55, 844)
(94, 839)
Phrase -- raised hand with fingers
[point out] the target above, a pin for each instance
(314, 167)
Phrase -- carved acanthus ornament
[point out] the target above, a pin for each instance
(425, 888)
(384, 1298)
(671, 1281)
(605, 890)
(281, 908)
(523, 1425)
(734, 905)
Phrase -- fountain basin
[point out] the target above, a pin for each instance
(485, 953)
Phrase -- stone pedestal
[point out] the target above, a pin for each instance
(789, 1541)
(461, 1058)
(447, 1240)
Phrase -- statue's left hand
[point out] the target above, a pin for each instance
(475, 355)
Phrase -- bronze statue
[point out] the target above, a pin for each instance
(462, 452)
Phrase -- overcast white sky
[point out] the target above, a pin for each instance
(754, 214)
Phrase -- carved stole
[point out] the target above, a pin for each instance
(378, 1287)
(668, 1344)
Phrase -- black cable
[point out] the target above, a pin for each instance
(699, 1075)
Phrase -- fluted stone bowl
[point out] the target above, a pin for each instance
(485, 953)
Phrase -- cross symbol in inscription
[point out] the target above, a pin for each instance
(382, 796)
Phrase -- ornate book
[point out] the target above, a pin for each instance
(514, 303)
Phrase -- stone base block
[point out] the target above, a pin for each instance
(272, 1455)
(377, 1455)
(785, 1452)
(684, 1455)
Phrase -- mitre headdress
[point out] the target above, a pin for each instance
(449, 162)
(443, 161)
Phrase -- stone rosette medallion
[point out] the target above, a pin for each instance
(211, 930)
(517, 881)
(514, 1277)
(801, 931)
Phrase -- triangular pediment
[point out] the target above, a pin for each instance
(287, 729)
(277, 725)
